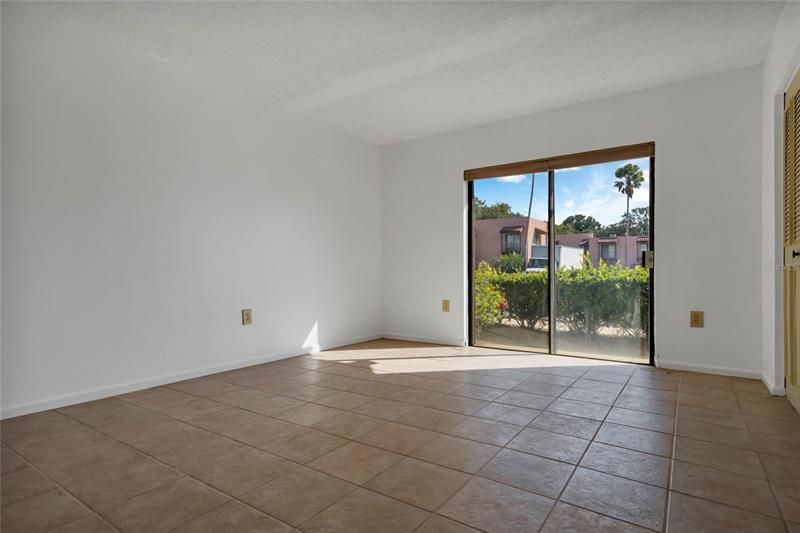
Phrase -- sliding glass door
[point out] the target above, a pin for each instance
(509, 264)
(560, 257)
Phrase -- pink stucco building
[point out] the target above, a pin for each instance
(496, 236)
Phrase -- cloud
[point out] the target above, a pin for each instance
(570, 169)
(519, 178)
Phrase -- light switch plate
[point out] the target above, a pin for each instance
(445, 306)
(247, 317)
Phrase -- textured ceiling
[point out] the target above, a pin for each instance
(395, 71)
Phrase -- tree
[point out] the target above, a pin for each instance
(579, 224)
(629, 178)
(638, 222)
(511, 262)
(496, 210)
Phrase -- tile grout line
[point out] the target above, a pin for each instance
(60, 487)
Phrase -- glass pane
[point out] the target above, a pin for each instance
(510, 279)
(601, 292)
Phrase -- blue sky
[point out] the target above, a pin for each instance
(587, 190)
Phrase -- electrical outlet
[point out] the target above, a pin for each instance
(247, 317)
(696, 319)
(445, 306)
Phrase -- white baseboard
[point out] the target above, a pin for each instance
(773, 389)
(416, 338)
(155, 381)
(710, 369)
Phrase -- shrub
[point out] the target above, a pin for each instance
(489, 301)
(512, 262)
(588, 298)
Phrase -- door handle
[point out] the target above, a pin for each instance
(795, 253)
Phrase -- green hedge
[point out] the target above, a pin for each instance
(588, 298)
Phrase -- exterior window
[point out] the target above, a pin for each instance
(608, 252)
(511, 243)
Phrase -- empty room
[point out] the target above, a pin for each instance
(395, 267)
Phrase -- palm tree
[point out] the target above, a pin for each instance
(629, 178)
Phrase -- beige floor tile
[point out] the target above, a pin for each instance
(88, 524)
(418, 483)
(550, 445)
(23, 430)
(525, 399)
(440, 524)
(386, 515)
(646, 404)
(432, 419)
(297, 496)
(580, 409)
(102, 411)
(355, 462)
(736, 490)
(528, 472)
(573, 426)
(498, 382)
(497, 508)
(233, 517)
(303, 445)
(261, 431)
(479, 392)
(739, 438)
(519, 416)
(589, 395)
(736, 460)
(638, 466)
(536, 387)
(603, 386)
(771, 426)
(386, 409)
(165, 507)
(552, 379)
(104, 486)
(724, 406)
(41, 513)
(781, 469)
(641, 419)
(349, 425)
(22, 484)
(238, 473)
(485, 430)
(619, 498)
(344, 400)
(167, 436)
(398, 438)
(227, 418)
(309, 393)
(788, 497)
(456, 404)
(308, 414)
(688, 514)
(198, 455)
(782, 411)
(633, 392)
(641, 440)
(778, 445)
(261, 402)
(9, 461)
(734, 420)
(721, 393)
(208, 388)
(460, 454)
(566, 517)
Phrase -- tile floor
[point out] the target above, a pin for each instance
(397, 437)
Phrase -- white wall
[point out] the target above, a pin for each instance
(708, 159)
(143, 207)
(782, 61)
